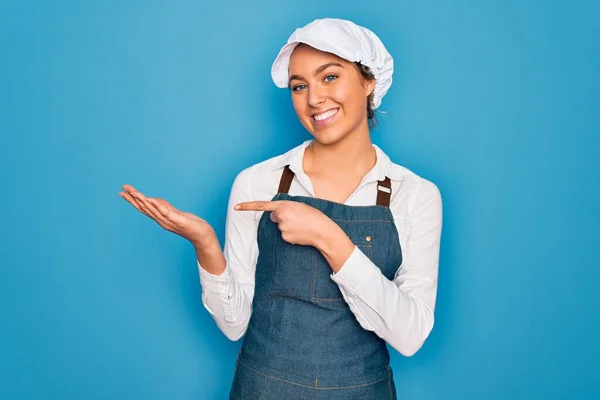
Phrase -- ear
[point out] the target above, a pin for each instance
(369, 87)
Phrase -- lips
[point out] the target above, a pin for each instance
(325, 118)
(327, 114)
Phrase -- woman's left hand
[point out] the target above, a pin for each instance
(298, 222)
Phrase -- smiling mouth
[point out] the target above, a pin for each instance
(326, 116)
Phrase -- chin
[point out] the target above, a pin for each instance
(327, 138)
(330, 136)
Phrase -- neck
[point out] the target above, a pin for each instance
(353, 155)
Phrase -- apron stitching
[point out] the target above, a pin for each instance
(353, 386)
(313, 288)
(397, 240)
(274, 377)
(362, 220)
(311, 387)
(327, 299)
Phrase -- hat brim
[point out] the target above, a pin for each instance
(280, 68)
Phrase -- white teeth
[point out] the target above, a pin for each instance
(325, 115)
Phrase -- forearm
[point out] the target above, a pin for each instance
(210, 256)
(402, 317)
(222, 295)
(227, 277)
(228, 305)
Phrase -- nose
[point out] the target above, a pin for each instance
(316, 97)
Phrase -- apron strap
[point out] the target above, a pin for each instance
(384, 192)
(286, 180)
(384, 187)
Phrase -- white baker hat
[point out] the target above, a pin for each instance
(346, 40)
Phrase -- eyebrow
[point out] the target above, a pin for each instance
(318, 70)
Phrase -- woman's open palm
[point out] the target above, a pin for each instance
(184, 224)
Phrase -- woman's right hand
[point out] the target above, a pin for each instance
(184, 224)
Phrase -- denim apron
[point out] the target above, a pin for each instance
(303, 341)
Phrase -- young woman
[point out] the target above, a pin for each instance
(331, 249)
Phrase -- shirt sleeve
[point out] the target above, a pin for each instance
(400, 311)
(228, 297)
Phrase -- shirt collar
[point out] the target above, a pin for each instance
(383, 166)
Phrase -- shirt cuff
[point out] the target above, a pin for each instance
(214, 283)
(356, 273)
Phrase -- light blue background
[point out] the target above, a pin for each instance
(497, 102)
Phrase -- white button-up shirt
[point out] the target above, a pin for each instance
(400, 311)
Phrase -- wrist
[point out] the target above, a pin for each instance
(206, 242)
(334, 245)
(210, 257)
(328, 236)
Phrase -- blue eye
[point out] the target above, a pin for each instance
(298, 87)
(332, 76)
